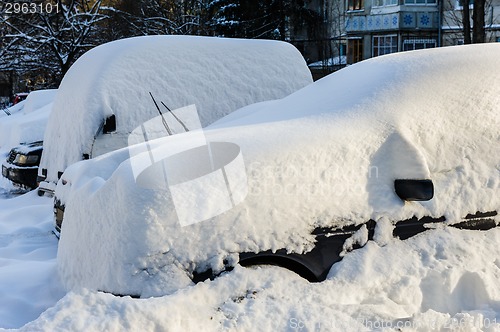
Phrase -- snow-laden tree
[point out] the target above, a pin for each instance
(48, 42)
(269, 19)
(153, 17)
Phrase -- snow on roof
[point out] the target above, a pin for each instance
(37, 99)
(326, 155)
(26, 125)
(218, 75)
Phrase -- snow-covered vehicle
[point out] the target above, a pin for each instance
(21, 165)
(21, 135)
(19, 97)
(391, 146)
(107, 92)
(27, 120)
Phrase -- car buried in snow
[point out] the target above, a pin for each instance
(21, 166)
(21, 134)
(109, 90)
(388, 147)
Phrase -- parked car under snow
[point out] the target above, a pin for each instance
(22, 132)
(21, 165)
(391, 146)
(107, 92)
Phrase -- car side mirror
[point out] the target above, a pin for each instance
(109, 124)
(414, 190)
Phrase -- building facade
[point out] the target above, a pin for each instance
(377, 27)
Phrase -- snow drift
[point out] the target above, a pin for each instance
(326, 155)
(218, 75)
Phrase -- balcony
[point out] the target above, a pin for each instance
(400, 20)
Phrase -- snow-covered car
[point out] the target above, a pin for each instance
(27, 120)
(19, 97)
(21, 135)
(390, 146)
(21, 165)
(109, 91)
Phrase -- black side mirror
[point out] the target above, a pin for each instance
(109, 125)
(414, 190)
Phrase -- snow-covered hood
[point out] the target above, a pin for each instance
(218, 75)
(326, 155)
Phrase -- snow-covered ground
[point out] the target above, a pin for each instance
(27, 256)
(441, 280)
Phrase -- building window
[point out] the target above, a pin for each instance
(354, 50)
(381, 3)
(355, 4)
(384, 44)
(421, 2)
(418, 44)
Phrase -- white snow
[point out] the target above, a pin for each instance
(28, 278)
(218, 75)
(13, 109)
(28, 124)
(441, 280)
(326, 155)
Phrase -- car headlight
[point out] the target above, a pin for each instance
(22, 159)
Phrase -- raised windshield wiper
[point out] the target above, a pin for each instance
(163, 120)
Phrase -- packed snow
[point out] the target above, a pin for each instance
(325, 156)
(218, 75)
(441, 280)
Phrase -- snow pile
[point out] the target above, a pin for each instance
(29, 282)
(441, 280)
(218, 75)
(326, 155)
(28, 124)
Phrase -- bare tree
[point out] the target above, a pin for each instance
(472, 22)
(478, 13)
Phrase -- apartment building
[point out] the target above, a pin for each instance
(377, 27)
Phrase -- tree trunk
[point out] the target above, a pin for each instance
(478, 31)
(466, 21)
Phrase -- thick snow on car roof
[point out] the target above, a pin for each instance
(218, 75)
(326, 155)
(26, 125)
